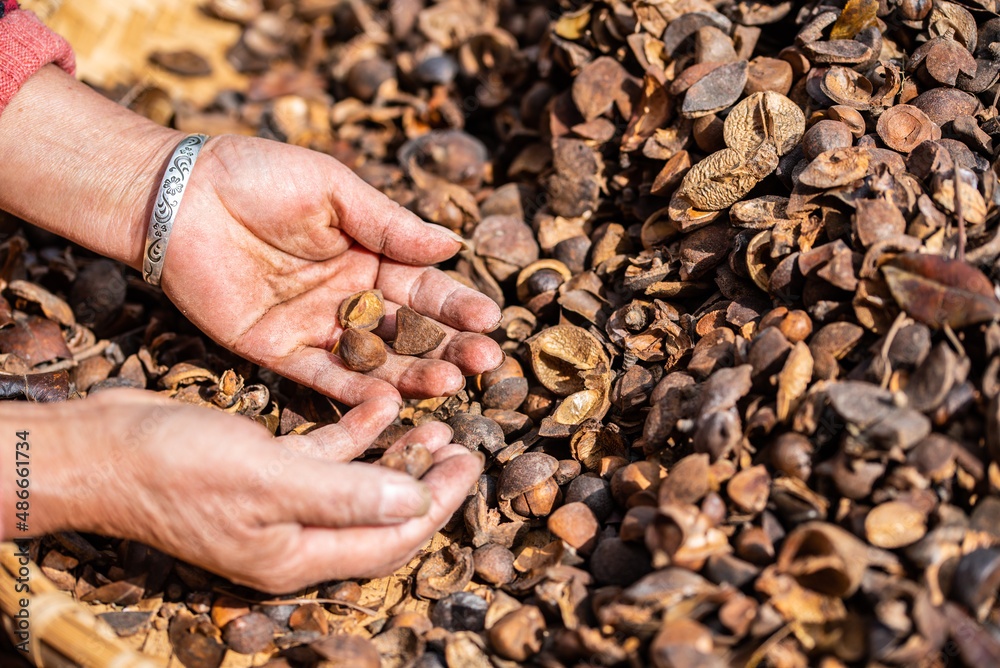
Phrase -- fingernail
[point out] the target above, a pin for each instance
(451, 234)
(403, 500)
(502, 360)
(481, 456)
(497, 325)
(457, 389)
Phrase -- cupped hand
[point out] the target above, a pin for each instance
(270, 238)
(276, 514)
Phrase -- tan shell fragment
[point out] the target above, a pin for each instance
(363, 310)
(570, 362)
(904, 127)
(579, 406)
(836, 167)
(594, 441)
(724, 177)
(52, 306)
(794, 379)
(568, 359)
(764, 116)
(895, 524)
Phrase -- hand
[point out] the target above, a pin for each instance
(270, 238)
(218, 491)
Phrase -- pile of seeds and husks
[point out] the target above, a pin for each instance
(746, 254)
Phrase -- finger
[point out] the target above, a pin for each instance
(324, 372)
(434, 294)
(400, 375)
(415, 377)
(432, 435)
(383, 226)
(330, 495)
(351, 436)
(452, 450)
(374, 551)
(472, 353)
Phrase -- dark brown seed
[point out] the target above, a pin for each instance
(508, 394)
(976, 580)
(494, 564)
(248, 634)
(768, 74)
(792, 454)
(309, 617)
(825, 136)
(195, 644)
(593, 491)
(749, 489)
(413, 459)
(475, 431)
(943, 104)
(575, 524)
(518, 634)
(363, 80)
(616, 563)
(226, 608)
(185, 63)
(361, 351)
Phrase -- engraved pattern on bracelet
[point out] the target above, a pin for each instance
(168, 201)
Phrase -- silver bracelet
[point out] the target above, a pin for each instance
(168, 201)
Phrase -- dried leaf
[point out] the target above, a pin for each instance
(35, 340)
(939, 292)
(855, 17)
(595, 88)
(794, 379)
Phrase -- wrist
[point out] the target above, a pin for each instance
(78, 465)
(80, 165)
(139, 176)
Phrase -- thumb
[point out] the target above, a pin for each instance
(383, 226)
(325, 494)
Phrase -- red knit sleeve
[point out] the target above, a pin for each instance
(25, 46)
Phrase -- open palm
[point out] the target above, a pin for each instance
(270, 238)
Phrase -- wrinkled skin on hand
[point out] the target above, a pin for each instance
(270, 238)
(219, 491)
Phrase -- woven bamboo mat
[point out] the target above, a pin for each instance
(113, 39)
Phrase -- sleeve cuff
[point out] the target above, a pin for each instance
(26, 45)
